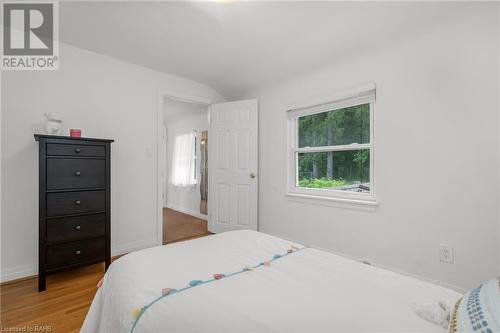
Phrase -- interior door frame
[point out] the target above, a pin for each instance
(182, 97)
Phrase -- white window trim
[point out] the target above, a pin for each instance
(361, 95)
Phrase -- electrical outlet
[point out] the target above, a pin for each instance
(446, 254)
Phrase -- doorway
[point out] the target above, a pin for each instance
(232, 153)
(185, 127)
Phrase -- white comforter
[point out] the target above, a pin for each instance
(307, 291)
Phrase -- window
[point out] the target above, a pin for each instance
(331, 149)
(184, 160)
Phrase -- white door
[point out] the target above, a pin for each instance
(233, 145)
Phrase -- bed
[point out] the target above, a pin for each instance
(246, 281)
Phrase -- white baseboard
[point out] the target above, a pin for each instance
(188, 212)
(19, 272)
(133, 246)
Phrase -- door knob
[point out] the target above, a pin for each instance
(77, 173)
(78, 227)
(252, 175)
(78, 252)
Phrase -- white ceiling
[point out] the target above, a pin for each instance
(236, 47)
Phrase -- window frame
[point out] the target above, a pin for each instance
(365, 96)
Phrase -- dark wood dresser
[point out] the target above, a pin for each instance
(74, 203)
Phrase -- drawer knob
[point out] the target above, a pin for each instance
(77, 173)
(78, 252)
(77, 202)
(77, 150)
(78, 227)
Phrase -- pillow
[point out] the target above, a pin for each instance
(478, 310)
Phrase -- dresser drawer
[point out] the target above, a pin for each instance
(67, 203)
(67, 254)
(59, 149)
(69, 173)
(75, 228)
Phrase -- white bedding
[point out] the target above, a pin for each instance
(307, 291)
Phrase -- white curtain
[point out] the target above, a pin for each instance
(184, 161)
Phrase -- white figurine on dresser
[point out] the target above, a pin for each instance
(53, 124)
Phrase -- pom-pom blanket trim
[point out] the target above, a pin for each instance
(137, 313)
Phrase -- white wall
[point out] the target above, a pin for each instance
(498, 96)
(181, 118)
(436, 155)
(106, 98)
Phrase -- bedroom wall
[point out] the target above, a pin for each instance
(498, 96)
(106, 98)
(436, 154)
(181, 118)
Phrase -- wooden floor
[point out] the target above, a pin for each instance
(179, 226)
(64, 305)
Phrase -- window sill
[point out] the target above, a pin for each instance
(330, 199)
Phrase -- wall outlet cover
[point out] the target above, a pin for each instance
(446, 254)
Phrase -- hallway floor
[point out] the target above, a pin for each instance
(178, 226)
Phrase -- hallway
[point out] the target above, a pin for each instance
(178, 226)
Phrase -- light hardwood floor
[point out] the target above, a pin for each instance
(179, 226)
(64, 305)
